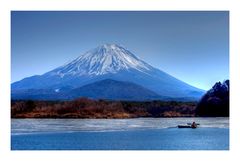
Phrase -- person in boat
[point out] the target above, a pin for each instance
(193, 125)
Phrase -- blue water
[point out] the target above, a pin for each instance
(122, 134)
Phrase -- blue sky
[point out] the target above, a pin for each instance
(191, 46)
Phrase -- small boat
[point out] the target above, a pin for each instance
(186, 126)
(189, 125)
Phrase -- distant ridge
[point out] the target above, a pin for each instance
(112, 89)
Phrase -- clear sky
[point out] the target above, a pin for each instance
(191, 46)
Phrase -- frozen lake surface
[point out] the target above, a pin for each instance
(119, 134)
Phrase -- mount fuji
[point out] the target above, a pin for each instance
(106, 62)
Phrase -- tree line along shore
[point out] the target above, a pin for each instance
(88, 108)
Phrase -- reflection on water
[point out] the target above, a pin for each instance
(23, 126)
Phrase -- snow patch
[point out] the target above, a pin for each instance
(105, 59)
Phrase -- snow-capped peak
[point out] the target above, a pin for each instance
(107, 58)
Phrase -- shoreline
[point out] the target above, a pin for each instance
(101, 109)
(84, 108)
(116, 118)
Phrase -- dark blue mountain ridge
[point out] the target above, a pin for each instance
(114, 90)
(109, 61)
(105, 89)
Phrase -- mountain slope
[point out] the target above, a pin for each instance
(110, 61)
(105, 89)
(115, 90)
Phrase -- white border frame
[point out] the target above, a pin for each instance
(6, 6)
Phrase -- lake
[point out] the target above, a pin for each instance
(119, 134)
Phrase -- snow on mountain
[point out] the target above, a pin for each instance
(105, 59)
